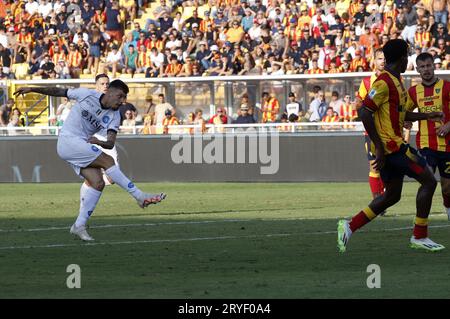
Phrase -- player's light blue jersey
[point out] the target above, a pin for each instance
(87, 116)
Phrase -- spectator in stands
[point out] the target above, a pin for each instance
(408, 19)
(160, 109)
(46, 67)
(129, 9)
(5, 60)
(157, 64)
(97, 45)
(439, 11)
(244, 117)
(5, 112)
(129, 122)
(173, 68)
(16, 118)
(131, 60)
(113, 61)
(318, 107)
(148, 124)
(330, 116)
(270, 108)
(335, 102)
(168, 120)
(74, 60)
(62, 70)
(219, 118)
(127, 107)
(114, 26)
(150, 105)
(63, 111)
(293, 107)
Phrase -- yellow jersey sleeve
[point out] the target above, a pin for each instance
(377, 96)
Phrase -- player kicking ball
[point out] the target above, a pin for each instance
(92, 113)
(383, 113)
(433, 140)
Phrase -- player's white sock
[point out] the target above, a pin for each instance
(87, 205)
(84, 187)
(120, 179)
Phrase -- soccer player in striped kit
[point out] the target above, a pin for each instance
(384, 111)
(433, 138)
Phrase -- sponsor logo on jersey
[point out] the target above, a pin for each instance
(92, 120)
(94, 148)
(105, 119)
(372, 93)
(130, 185)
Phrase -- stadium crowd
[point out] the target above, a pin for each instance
(66, 38)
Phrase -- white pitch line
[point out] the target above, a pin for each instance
(151, 224)
(124, 225)
(143, 241)
(202, 238)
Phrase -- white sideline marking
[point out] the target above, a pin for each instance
(149, 224)
(201, 239)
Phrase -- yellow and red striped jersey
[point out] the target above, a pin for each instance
(389, 101)
(435, 98)
(74, 59)
(421, 39)
(347, 112)
(329, 119)
(144, 60)
(271, 109)
(173, 69)
(315, 71)
(58, 56)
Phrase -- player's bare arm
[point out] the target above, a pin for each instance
(366, 117)
(109, 143)
(431, 116)
(52, 91)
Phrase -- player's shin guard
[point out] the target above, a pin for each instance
(362, 218)
(120, 179)
(88, 203)
(420, 227)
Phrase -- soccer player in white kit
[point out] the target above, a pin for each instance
(92, 113)
(101, 85)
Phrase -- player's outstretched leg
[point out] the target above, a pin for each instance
(113, 171)
(381, 203)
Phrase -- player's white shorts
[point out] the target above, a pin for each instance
(112, 152)
(77, 152)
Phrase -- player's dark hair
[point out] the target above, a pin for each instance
(119, 85)
(394, 50)
(424, 57)
(101, 75)
(316, 89)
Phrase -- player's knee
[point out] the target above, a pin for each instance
(98, 185)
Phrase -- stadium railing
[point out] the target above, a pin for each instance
(190, 93)
(246, 129)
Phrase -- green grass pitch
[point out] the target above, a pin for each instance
(224, 240)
